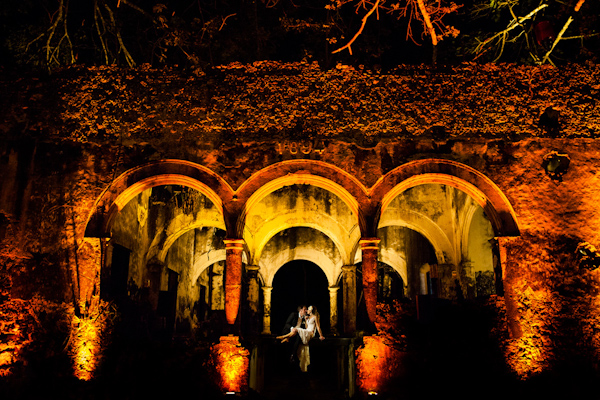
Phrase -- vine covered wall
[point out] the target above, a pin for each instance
(64, 140)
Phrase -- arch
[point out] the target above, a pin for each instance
(444, 250)
(310, 172)
(396, 261)
(281, 223)
(451, 173)
(326, 264)
(172, 237)
(179, 225)
(205, 261)
(157, 173)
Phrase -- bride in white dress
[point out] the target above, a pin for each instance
(305, 334)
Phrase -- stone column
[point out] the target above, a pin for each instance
(349, 280)
(267, 311)
(369, 247)
(233, 277)
(253, 287)
(333, 309)
(252, 298)
(512, 311)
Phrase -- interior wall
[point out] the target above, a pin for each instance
(480, 255)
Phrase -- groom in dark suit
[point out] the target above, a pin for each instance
(294, 320)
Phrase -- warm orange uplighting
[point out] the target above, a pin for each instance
(535, 308)
(15, 336)
(230, 361)
(376, 365)
(10, 348)
(369, 248)
(233, 278)
(85, 348)
(527, 356)
(89, 335)
(532, 352)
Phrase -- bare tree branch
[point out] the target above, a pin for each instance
(500, 38)
(558, 37)
(128, 57)
(138, 9)
(51, 32)
(364, 22)
(225, 19)
(428, 12)
(427, 22)
(562, 31)
(97, 14)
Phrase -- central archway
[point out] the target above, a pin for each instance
(299, 282)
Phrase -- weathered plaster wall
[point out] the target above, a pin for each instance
(186, 257)
(304, 205)
(406, 251)
(66, 139)
(182, 225)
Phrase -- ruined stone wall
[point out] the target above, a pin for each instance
(64, 140)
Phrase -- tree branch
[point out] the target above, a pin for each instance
(558, 37)
(51, 31)
(562, 32)
(128, 57)
(364, 22)
(502, 35)
(427, 22)
(100, 34)
(225, 19)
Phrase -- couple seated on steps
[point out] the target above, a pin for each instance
(300, 326)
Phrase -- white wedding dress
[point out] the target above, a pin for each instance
(305, 335)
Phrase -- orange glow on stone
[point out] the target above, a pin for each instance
(535, 313)
(14, 335)
(369, 249)
(231, 363)
(233, 278)
(86, 337)
(527, 356)
(376, 364)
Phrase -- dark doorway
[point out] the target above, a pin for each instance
(119, 272)
(299, 282)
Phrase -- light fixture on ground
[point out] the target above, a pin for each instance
(556, 165)
(588, 256)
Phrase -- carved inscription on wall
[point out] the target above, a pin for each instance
(300, 147)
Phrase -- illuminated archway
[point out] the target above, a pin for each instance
(179, 226)
(308, 172)
(298, 282)
(395, 260)
(205, 261)
(270, 266)
(159, 173)
(280, 223)
(454, 174)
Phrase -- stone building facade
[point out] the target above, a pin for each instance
(192, 192)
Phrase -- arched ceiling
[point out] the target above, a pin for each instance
(300, 243)
(175, 210)
(439, 212)
(300, 205)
